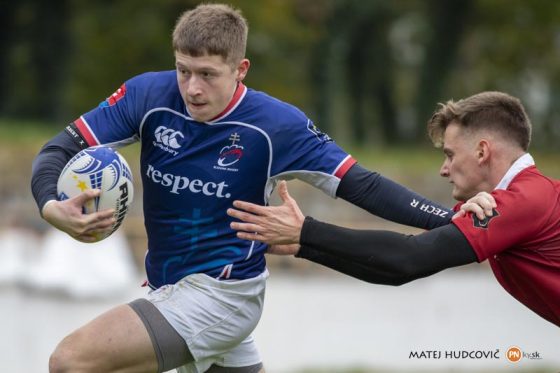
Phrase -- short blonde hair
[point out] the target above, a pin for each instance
(496, 111)
(212, 29)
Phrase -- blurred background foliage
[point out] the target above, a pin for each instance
(367, 72)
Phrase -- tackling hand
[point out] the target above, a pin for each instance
(274, 225)
(481, 205)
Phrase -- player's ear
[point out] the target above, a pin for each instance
(242, 69)
(483, 151)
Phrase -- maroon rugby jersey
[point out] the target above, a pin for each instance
(522, 240)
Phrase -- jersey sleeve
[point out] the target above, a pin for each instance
(115, 121)
(516, 219)
(302, 151)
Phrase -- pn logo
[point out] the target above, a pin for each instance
(514, 354)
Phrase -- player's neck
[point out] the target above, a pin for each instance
(235, 97)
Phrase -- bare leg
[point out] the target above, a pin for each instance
(116, 341)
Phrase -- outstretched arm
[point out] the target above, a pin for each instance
(390, 200)
(279, 225)
(381, 257)
(384, 257)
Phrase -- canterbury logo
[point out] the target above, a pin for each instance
(167, 139)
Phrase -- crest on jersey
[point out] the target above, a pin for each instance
(484, 223)
(230, 154)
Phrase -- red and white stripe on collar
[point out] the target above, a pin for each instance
(238, 95)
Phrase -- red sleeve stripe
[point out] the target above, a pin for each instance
(344, 166)
(86, 132)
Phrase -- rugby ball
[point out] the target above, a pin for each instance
(102, 168)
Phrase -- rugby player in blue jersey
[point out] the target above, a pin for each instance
(206, 140)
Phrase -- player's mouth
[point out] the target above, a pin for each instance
(197, 105)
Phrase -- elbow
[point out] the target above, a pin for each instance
(404, 272)
(393, 278)
(399, 280)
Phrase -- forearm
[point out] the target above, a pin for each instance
(353, 268)
(48, 165)
(381, 256)
(389, 200)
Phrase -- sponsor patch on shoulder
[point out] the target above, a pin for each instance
(321, 136)
(486, 221)
(115, 97)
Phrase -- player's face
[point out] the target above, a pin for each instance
(207, 83)
(462, 164)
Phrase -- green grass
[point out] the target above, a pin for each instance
(26, 132)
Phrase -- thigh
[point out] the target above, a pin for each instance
(116, 340)
(170, 348)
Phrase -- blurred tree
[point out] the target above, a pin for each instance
(514, 46)
(7, 27)
(369, 71)
(112, 42)
(447, 25)
(365, 71)
(34, 56)
(381, 67)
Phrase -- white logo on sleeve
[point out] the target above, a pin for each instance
(168, 139)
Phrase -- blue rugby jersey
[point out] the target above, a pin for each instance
(192, 171)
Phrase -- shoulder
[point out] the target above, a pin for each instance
(531, 196)
(153, 80)
(154, 89)
(531, 185)
(274, 110)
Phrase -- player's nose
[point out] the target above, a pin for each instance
(444, 170)
(193, 87)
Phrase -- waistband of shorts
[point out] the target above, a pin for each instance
(204, 279)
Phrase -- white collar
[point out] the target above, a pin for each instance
(526, 160)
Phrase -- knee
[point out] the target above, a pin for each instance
(65, 358)
(57, 361)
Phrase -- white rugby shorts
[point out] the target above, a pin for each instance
(215, 318)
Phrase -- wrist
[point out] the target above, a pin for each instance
(305, 230)
(46, 206)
